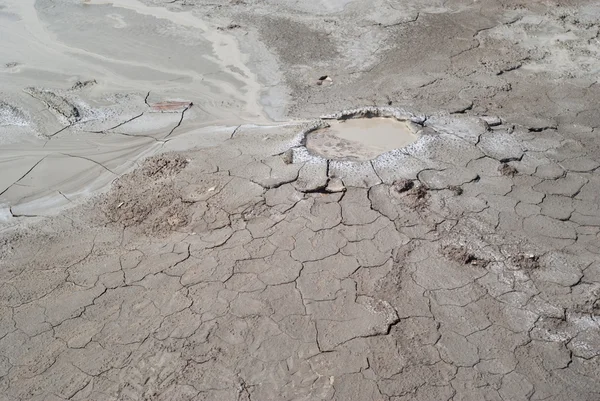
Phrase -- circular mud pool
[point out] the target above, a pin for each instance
(360, 139)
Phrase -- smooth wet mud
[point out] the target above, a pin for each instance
(361, 138)
(127, 47)
(89, 88)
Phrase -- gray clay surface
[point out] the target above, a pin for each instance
(163, 238)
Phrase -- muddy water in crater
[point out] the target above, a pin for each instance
(361, 138)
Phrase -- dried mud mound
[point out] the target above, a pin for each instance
(148, 197)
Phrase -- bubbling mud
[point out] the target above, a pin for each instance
(361, 139)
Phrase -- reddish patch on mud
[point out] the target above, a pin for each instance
(170, 106)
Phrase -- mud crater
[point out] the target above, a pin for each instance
(361, 139)
(362, 134)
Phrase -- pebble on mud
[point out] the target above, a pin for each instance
(325, 80)
(288, 156)
(492, 121)
(335, 185)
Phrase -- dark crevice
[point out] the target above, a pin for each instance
(180, 121)
(24, 175)
(118, 125)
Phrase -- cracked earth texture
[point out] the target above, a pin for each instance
(229, 273)
(463, 267)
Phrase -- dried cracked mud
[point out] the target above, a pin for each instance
(226, 273)
(236, 264)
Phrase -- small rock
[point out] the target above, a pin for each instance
(325, 80)
(288, 156)
(335, 185)
(492, 121)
